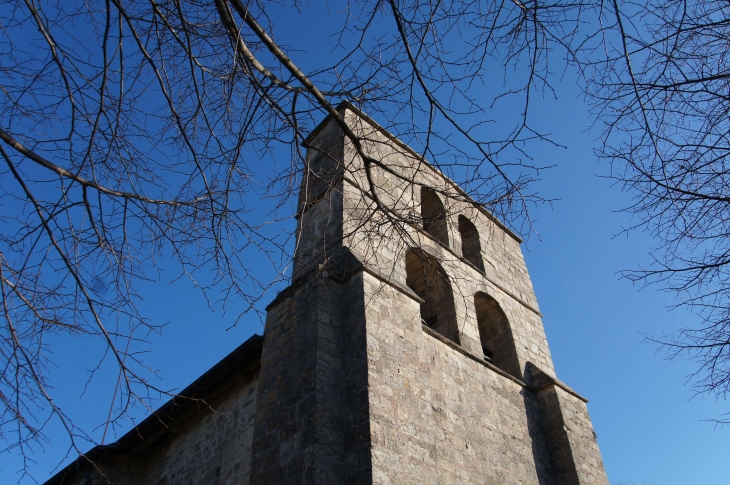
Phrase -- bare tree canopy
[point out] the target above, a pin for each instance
(139, 132)
(139, 135)
(662, 95)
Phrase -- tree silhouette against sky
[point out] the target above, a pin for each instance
(138, 138)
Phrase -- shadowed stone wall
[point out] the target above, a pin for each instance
(312, 422)
(573, 449)
(211, 447)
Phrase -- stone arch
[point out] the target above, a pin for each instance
(433, 215)
(471, 248)
(495, 334)
(426, 277)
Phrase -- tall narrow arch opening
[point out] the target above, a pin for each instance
(426, 277)
(434, 215)
(495, 334)
(470, 246)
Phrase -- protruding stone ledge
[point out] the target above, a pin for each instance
(325, 273)
(541, 380)
(473, 357)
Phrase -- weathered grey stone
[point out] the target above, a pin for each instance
(204, 437)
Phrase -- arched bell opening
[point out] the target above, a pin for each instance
(495, 333)
(426, 277)
(433, 215)
(470, 246)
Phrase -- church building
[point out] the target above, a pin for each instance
(408, 349)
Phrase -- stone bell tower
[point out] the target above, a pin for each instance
(409, 347)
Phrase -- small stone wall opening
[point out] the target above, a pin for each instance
(495, 334)
(426, 277)
(470, 246)
(434, 215)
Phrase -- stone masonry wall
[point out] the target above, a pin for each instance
(573, 448)
(312, 426)
(381, 245)
(319, 234)
(398, 184)
(118, 470)
(319, 208)
(211, 448)
(438, 416)
(323, 168)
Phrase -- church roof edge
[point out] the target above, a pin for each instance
(174, 412)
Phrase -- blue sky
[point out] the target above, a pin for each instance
(650, 428)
